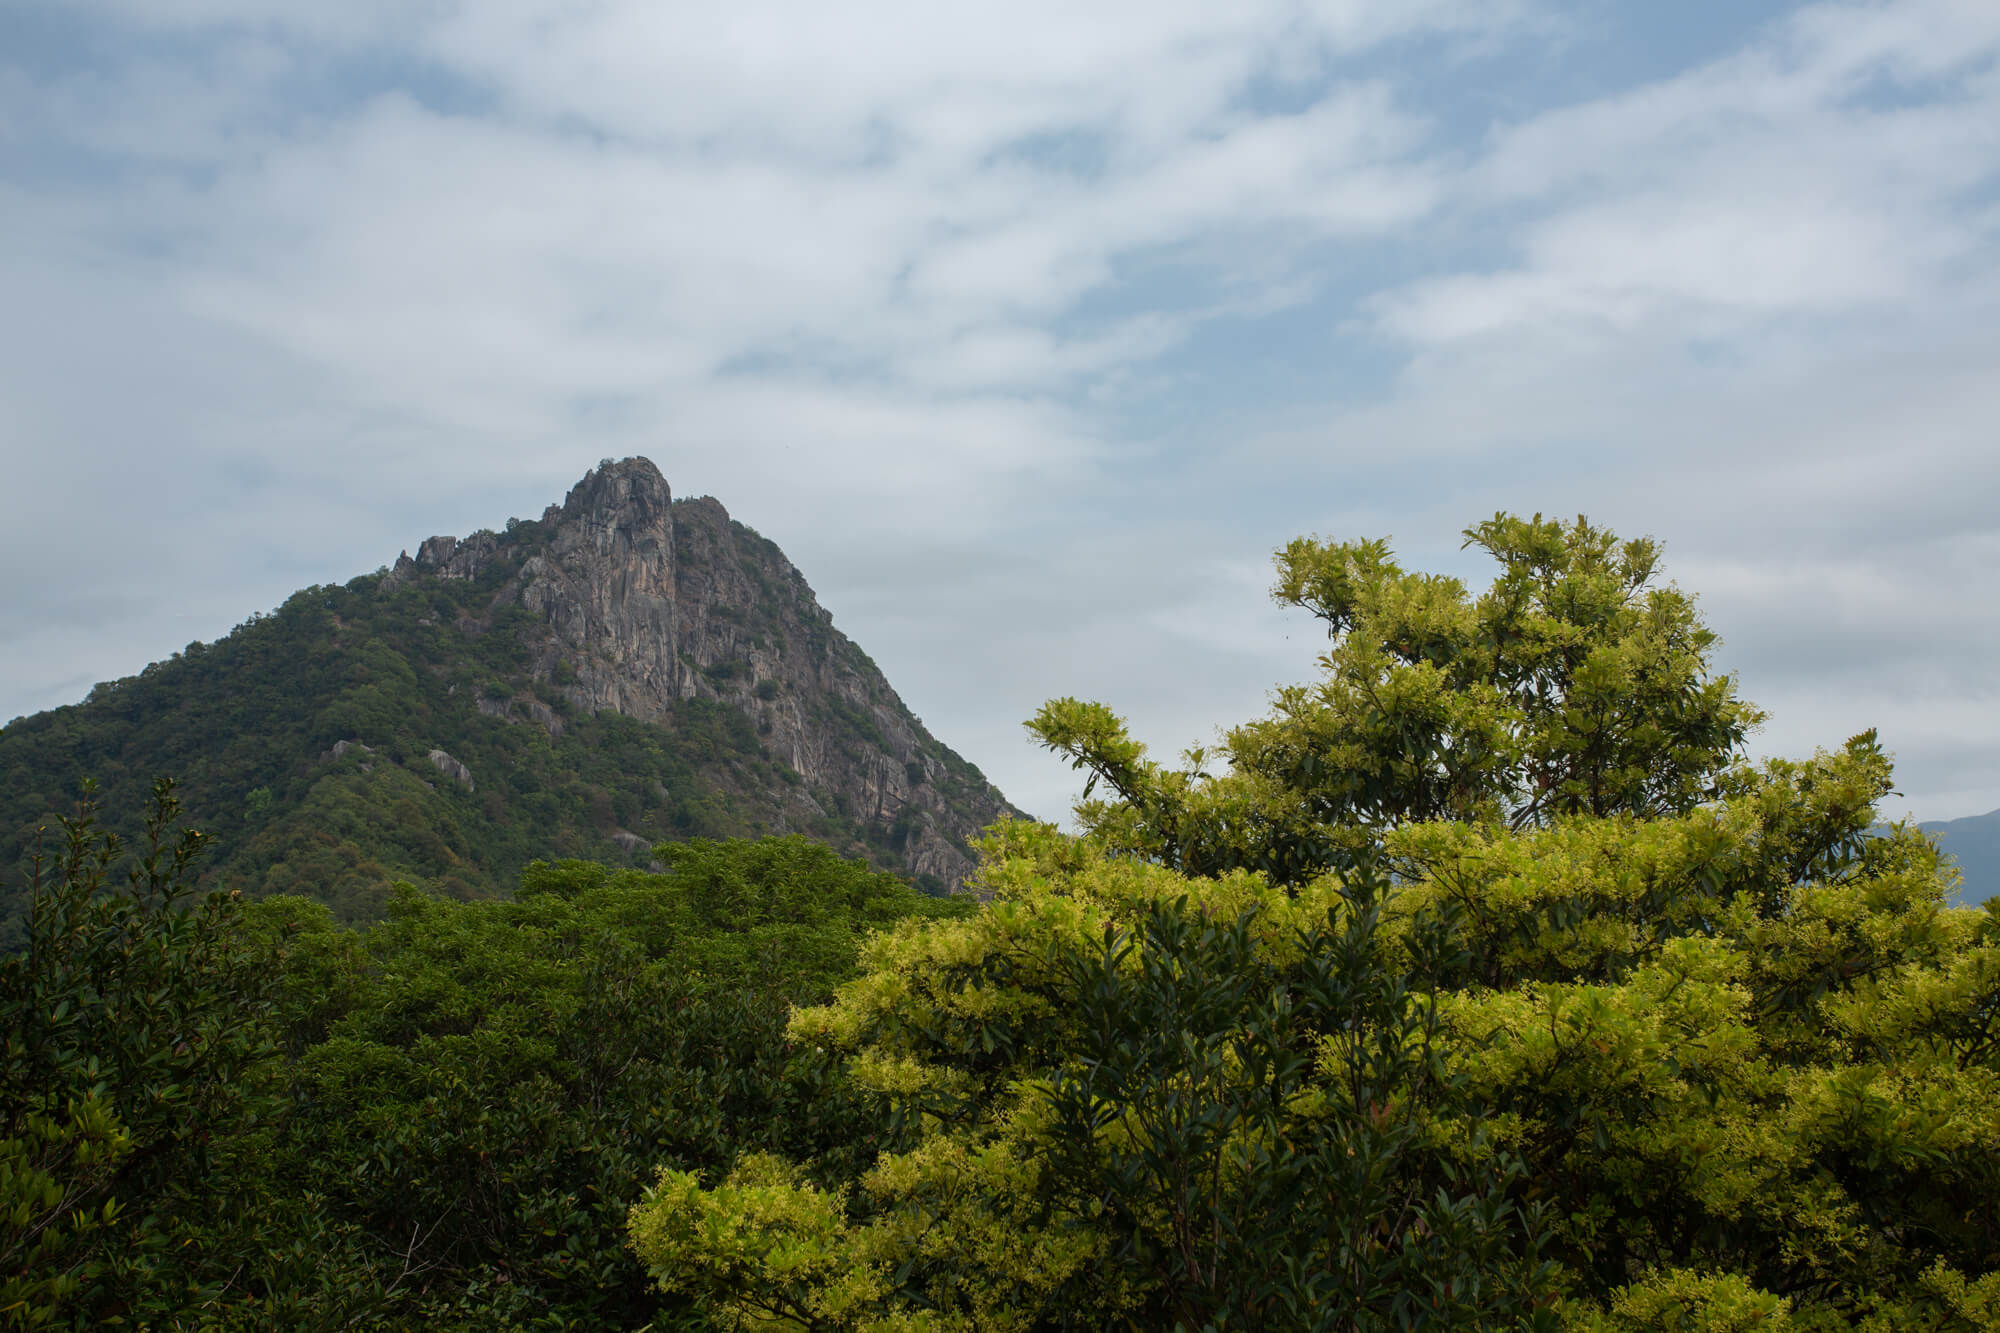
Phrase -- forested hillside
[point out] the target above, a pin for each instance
(626, 669)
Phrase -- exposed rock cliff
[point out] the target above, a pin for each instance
(644, 601)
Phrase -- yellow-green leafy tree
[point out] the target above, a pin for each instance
(1486, 987)
(1577, 684)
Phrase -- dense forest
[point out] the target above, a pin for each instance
(222, 1113)
(1481, 984)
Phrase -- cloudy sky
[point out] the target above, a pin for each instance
(1027, 330)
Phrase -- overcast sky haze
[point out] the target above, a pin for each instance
(1027, 330)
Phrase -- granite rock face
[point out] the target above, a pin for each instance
(644, 601)
(453, 769)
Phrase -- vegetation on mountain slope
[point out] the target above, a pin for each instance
(251, 723)
(306, 740)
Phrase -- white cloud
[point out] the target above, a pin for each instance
(1772, 183)
(895, 280)
(1750, 310)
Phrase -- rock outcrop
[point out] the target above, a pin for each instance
(644, 601)
(452, 769)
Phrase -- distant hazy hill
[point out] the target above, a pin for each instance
(628, 668)
(1975, 843)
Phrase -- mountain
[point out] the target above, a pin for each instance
(627, 668)
(1974, 842)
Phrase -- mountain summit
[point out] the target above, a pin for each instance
(627, 668)
(648, 603)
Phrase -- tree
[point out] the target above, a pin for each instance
(130, 1021)
(1576, 684)
(1120, 1098)
(1748, 1053)
(1634, 1037)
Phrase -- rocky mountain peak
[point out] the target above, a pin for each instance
(629, 491)
(623, 508)
(629, 668)
(648, 602)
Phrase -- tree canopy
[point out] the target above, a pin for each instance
(1577, 684)
(1488, 987)
(132, 1022)
(225, 1114)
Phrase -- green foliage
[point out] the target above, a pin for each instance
(1745, 1045)
(1140, 1101)
(131, 1033)
(1731, 1065)
(223, 1115)
(1573, 686)
(1274, 1163)
(476, 1091)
